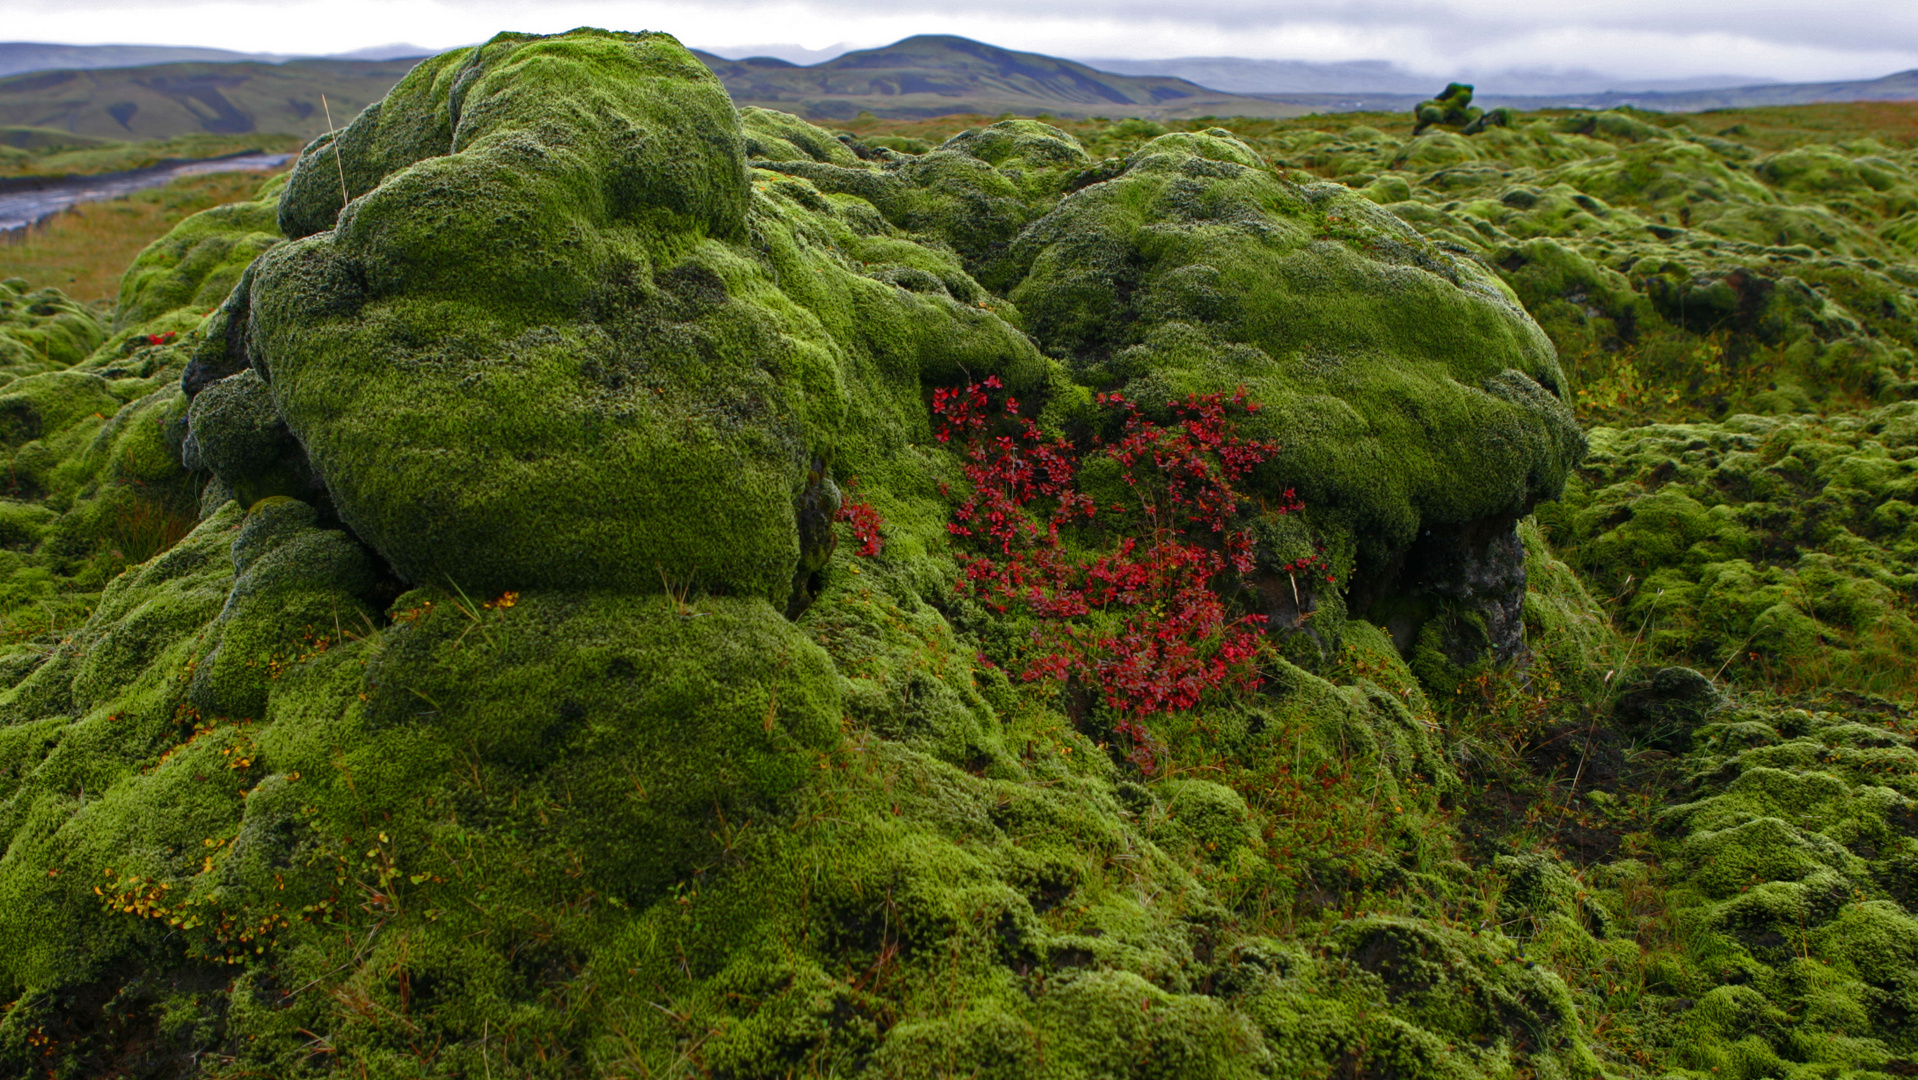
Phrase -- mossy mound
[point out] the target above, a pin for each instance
(1790, 878)
(702, 811)
(1453, 108)
(43, 330)
(644, 771)
(1194, 270)
(972, 194)
(93, 427)
(1187, 268)
(1780, 550)
(184, 275)
(1681, 275)
(633, 401)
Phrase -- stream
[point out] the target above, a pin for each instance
(27, 201)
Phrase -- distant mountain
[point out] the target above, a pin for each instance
(932, 75)
(1236, 75)
(18, 57)
(1902, 86)
(398, 50)
(22, 56)
(936, 74)
(1550, 82)
(1269, 77)
(792, 54)
(160, 101)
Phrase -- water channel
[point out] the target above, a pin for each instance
(27, 201)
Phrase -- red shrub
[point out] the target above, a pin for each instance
(1178, 550)
(864, 521)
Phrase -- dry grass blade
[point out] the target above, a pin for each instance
(337, 163)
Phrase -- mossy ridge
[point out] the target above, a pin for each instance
(684, 314)
(1193, 230)
(1680, 274)
(93, 429)
(868, 828)
(814, 895)
(1788, 883)
(972, 193)
(43, 330)
(1779, 550)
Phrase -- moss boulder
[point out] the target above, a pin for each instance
(561, 347)
(570, 343)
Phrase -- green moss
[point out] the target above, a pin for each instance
(412, 122)
(647, 773)
(1192, 271)
(973, 193)
(42, 330)
(93, 441)
(775, 136)
(1756, 546)
(683, 349)
(186, 273)
(537, 774)
(1451, 108)
(1754, 282)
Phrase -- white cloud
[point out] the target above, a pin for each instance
(1836, 39)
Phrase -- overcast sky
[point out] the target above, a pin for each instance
(1771, 39)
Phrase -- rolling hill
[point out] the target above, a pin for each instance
(919, 77)
(1901, 86)
(160, 101)
(18, 57)
(936, 74)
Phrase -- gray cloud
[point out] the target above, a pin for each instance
(1760, 38)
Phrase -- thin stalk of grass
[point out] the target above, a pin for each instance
(337, 163)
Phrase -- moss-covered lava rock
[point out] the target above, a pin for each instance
(42, 330)
(512, 683)
(571, 344)
(452, 665)
(1782, 549)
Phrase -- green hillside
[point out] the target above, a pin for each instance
(936, 75)
(162, 101)
(51, 152)
(918, 77)
(922, 76)
(666, 589)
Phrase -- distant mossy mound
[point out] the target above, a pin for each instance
(1454, 109)
(1782, 548)
(510, 707)
(1681, 274)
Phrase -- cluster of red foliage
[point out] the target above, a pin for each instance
(864, 521)
(1177, 551)
(161, 339)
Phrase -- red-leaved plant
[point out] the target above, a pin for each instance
(1178, 552)
(864, 521)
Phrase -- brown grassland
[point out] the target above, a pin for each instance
(83, 251)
